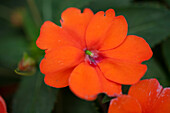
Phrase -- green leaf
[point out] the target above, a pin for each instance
(60, 5)
(34, 96)
(69, 103)
(29, 25)
(7, 77)
(168, 2)
(155, 70)
(166, 52)
(11, 49)
(151, 23)
(97, 5)
(106, 99)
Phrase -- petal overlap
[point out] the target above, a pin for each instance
(153, 98)
(147, 96)
(122, 72)
(116, 34)
(52, 36)
(75, 22)
(133, 49)
(105, 31)
(108, 87)
(97, 28)
(84, 81)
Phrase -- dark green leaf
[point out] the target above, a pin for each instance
(11, 49)
(7, 76)
(166, 52)
(156, 71)
(151, 23)
(97, 5)
(69, 103)
(168, 2)
(30, 28)
(106, 99)
(125, 89)
(13, 4)
(34, 96)
(60, 5)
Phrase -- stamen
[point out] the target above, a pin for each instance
(89, 53)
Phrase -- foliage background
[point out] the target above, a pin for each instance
(20, 21)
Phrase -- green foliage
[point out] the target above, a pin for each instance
(29, 26)
(168, 2)
(97, 5)
(106, 99)
(34, 96)
(61, 5)
(151, 23)
(11, 49)
(166, 52)
(156, 71)
(69, 103)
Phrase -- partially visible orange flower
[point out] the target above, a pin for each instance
(147, 96)
(2, 106)
(91, 53)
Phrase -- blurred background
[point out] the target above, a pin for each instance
(20, 22)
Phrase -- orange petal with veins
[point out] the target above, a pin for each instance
(124, 104)
(163, 102)
(133, 49)
(75, 23)
(146, 92)
(108, 87)
(122, 72)
(105, 31)
(52, 36)
(84, 81)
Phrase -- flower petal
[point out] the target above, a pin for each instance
(98, 27)
(3, 108)
(52, 36)
(62, 58)
(163, 102)
(116, 34)
(146, 92)
(108, 87)
(58, 79)
(122, 72)
(134, 49)
(75, 22)
(106, 32)
(124, 104)
(84, 81)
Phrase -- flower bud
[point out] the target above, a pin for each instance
(26, 66)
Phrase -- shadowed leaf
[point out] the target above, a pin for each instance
(33, 96)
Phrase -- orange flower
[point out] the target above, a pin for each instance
(2, 106)
(147, 96)
(91, 53)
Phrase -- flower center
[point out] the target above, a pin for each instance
(89, 53)
(92, 57)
